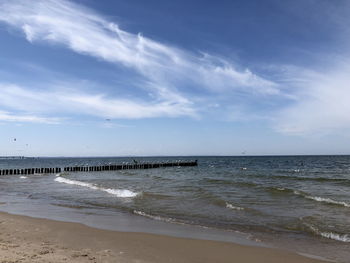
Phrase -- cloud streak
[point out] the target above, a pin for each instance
(177, 82)
(321, 102)
(11, 117)
(85, 32)
(60, 100)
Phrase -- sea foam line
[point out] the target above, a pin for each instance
(328, 200)
(330, 235)
(334, 236)
(167, 219)
(322, 199)
(153, 217)
(116, 192)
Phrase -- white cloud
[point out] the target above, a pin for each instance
(321, 102)
(15, 117)
(83, 31)
(297, 101)
(315, 101)
(62, 101)
(220, 75)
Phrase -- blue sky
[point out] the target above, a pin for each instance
(115, 78)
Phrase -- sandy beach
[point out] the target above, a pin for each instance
(26, 239)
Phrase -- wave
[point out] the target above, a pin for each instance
(308, 196)
(327, 200)
(330, 235)
(230, 182)
(317, 179)
(159, 218)
(294, 175)
(343, 238)
(278, 190)
(71, 206)
(321, 199)
(117, 192)
(233, 207)
(313, 179)
(23, 177)
(156, 196)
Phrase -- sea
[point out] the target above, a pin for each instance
(298, 203)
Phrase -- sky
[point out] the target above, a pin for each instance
(194, 77)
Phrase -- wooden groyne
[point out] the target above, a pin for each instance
(98, 168)
(12, 157)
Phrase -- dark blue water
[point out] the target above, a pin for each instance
(301, 202)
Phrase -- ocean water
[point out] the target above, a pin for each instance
(300, 203)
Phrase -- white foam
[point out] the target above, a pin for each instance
(334, 236)
(119, 192)
(116, 192)
(327, 200)
(231, 206)
(322, 199)
(330, 235)
(23, 177)
(153, 217)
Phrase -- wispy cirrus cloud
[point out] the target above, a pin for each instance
(18, 117)
(80, 29)
(178, 82)
(320, 101)
(59, 100)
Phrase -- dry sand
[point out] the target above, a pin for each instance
(26, 239)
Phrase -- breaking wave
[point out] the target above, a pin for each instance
(334, 236)
(322, 199)
(331, 235)
(233, 207)
(117, 192)
(307, 196)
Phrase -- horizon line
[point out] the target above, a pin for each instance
(167, 156)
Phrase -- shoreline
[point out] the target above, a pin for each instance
(28, 239)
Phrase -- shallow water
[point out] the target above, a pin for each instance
(298, 202)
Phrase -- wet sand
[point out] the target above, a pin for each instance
(26, 239)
